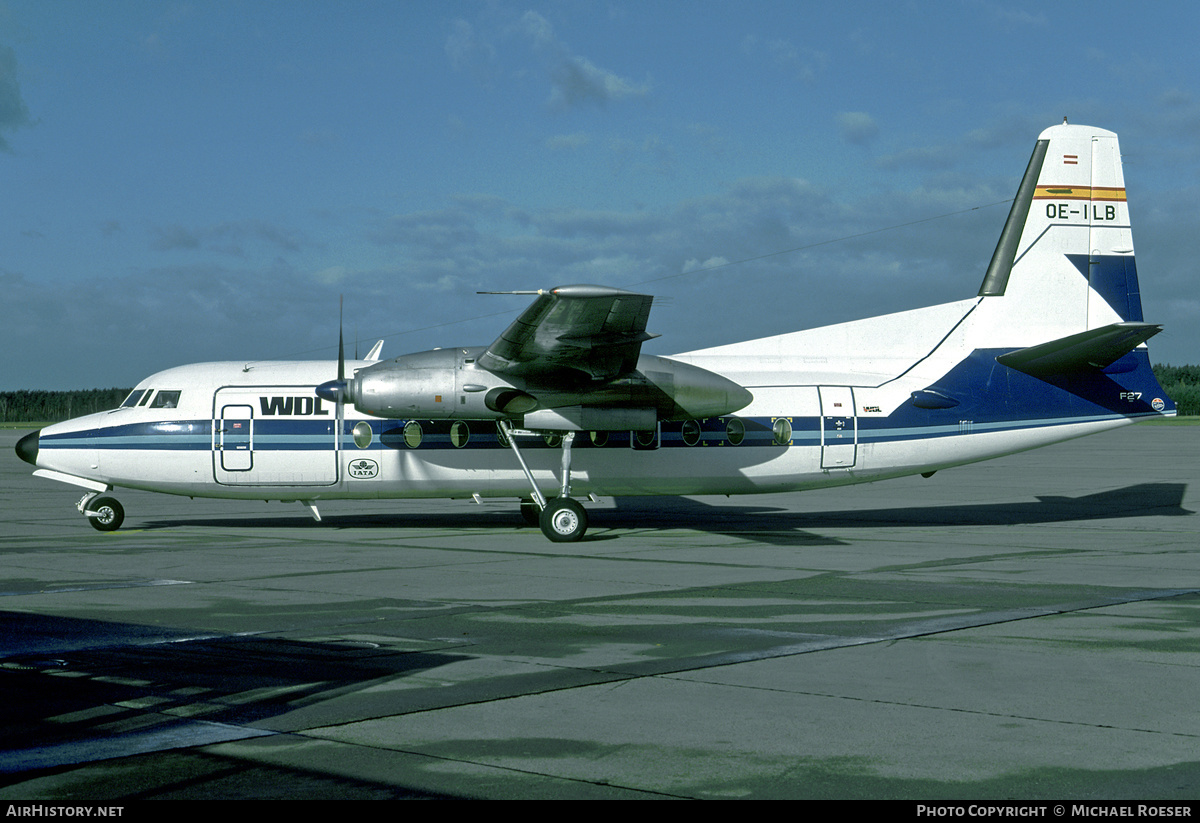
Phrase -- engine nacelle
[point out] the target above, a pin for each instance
(695, 393)
(446, 384)
(671, 390)
(441, 384)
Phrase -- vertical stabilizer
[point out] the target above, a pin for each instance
(1065, 261)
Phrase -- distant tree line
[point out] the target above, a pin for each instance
(29, 406)
(1182, 384)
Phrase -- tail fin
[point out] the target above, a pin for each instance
(1065, 262)
(1060, 301)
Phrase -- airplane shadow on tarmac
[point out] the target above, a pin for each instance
(74, 686)
(760, 522)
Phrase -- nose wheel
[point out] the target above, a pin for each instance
(104, 513)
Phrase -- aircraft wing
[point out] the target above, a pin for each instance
(595, 331)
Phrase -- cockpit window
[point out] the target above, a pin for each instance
(165, 400)
(133, 398)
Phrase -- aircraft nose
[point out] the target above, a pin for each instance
(27, 447)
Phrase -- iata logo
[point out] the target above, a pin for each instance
(363, 469)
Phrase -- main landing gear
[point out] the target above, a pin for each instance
(563, 519)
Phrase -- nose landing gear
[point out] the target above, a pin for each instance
(104, 513)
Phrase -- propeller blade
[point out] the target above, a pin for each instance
(335, 390)
(341, 347)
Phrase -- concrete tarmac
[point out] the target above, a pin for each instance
(1024, 628)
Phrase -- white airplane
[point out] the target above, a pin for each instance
(564, 403)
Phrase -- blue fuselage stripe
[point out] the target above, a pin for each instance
(315, 435)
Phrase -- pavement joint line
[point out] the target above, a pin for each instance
(620, 675)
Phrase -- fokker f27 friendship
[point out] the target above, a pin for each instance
(563, 403)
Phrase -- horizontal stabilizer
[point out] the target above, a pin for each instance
(1087, 351)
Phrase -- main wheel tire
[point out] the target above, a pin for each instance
(563, 520)
(108, 514)
(530, 513)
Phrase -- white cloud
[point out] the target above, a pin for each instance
(574, 79)
(233, 238)
(857, 127)
(539, 30)
(14, 113)
(468, 51)
(705, 265)
(331, 276)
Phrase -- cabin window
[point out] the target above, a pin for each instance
(735, 431)
(691, 432)
(553, 439)
(599, 439)
(362, 434)
(413, 434)
(460, 433)
(165, 400)
(133, 398)
(783, 431)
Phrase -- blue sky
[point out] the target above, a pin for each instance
(182, 182)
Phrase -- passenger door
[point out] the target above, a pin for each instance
(839, 428)
(274, 436)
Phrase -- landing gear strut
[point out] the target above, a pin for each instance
(562, 520)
